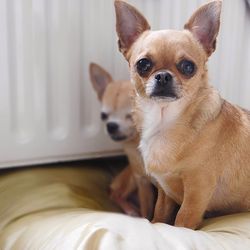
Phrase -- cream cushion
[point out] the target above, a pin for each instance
(68, 208)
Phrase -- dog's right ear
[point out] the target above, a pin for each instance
(204, 24)
(130, 24)
(100, 78)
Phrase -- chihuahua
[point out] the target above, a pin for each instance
(116, 112)
(194, 143)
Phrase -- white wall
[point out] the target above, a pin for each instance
(48, 111)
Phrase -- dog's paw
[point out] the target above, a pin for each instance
(187, 220)
(116, 194)
(127, 206)
(158, 220)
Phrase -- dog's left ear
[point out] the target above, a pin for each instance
(100, 79)
(204, 24)
(130, 24)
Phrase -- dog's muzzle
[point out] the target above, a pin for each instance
(163, 85)
(114, 132)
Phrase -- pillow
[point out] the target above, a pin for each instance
(68, 208)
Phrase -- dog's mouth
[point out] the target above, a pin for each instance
(168, 98)
(118, 137)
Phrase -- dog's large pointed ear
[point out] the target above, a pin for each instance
(100, 79)
(204, 24)
(130, 24)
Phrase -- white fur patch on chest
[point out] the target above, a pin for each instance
(157, 119)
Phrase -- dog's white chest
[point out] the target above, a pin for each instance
(150, 134)
(157, 120)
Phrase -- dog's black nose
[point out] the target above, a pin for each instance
(163, 78)
(112, 127)
(164, 85)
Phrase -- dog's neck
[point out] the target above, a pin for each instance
(204, 107)
(133, 141)
(134, 157)
(195, 110)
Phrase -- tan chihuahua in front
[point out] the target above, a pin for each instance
(116, 112)
(194, 143)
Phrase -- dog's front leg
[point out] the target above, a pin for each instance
(198, 190)
(146, 196)
(164, 208)
(123, 186)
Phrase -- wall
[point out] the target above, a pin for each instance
(48, 111)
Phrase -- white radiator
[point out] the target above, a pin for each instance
(48, 111)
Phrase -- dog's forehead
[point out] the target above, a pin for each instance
(118, 96)
(171, 43)
(165, 36)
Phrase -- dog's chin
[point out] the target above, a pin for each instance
(118, 137)
(123, 137)
(169, 93)
(159, 98)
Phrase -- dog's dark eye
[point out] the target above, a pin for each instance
(143, 66)
(104, 116)
(186, 67)
(129, 116)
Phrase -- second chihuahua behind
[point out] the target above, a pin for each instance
(116, 112)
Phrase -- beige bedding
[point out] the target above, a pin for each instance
(67, 208)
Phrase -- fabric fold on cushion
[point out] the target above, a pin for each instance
(68, 208)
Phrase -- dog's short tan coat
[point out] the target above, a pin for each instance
(115, 97)
(197, 146)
